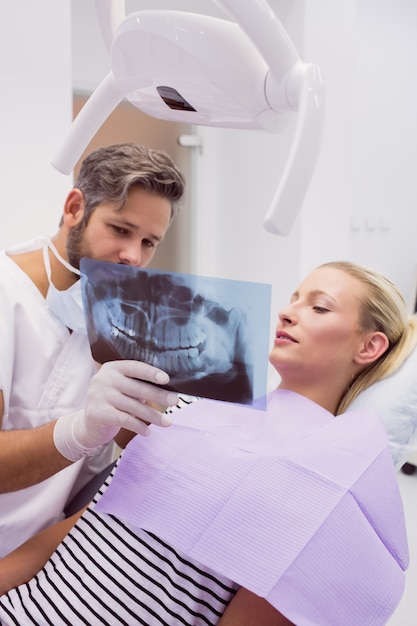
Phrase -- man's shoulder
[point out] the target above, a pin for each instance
(25, 246)
(20, 264)
(16, 285)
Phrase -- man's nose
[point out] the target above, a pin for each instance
(131, 254)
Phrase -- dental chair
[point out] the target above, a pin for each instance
(395, 399)
(87, 493)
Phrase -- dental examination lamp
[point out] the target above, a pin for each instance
(196, 69)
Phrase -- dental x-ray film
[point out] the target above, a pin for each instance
(210, 335)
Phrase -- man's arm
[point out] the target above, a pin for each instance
(28, 456)
(119, 396)
(247, 609)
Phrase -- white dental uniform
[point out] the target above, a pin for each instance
(44, 373)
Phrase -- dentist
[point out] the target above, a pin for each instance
(57, 425)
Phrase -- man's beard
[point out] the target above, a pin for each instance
(76, 248)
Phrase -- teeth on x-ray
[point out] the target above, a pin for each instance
(164, 322)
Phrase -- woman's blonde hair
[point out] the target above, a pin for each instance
(382, 309)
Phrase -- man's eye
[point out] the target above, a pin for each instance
(119, 230)
(148, 243)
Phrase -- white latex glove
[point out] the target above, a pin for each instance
(116, 399)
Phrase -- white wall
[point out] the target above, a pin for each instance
(385, 138)
(361, 204)
(329, 42)
(35, 71)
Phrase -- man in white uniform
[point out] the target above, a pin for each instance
(56, 430)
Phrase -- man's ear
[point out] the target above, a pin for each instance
(73, 208)
(373, 346)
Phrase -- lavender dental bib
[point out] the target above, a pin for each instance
(286, 502)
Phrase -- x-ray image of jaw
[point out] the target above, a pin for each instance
(172, 322)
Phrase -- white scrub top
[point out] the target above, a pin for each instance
(44, 372)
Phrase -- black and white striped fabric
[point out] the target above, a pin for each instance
(107, 573)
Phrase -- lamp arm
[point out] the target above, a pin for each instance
(265, 31)
(93, 114)
(304, 150)
(110, 14)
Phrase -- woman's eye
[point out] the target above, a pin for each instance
(320, 309)
(148, 243)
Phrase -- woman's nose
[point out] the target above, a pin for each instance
(286, 315)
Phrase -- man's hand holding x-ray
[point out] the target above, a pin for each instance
(118, 398)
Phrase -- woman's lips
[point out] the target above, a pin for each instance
(283, 337)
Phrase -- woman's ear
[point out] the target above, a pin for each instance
(374, 345)
(73, 208)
